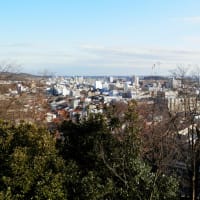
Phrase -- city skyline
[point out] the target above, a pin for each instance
(100, 37)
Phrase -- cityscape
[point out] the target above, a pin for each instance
(49, 99)
(100, 100)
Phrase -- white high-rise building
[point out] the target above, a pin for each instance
(136, 82)
(98, 85)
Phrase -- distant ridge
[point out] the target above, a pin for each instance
(18, 76)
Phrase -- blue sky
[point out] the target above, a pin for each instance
(100, 37)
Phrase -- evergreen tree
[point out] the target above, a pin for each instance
(30, 165)
(109, 162)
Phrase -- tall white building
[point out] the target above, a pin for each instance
(98, 85)
(136, 82)
(175, 83)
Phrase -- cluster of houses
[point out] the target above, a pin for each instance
(78, 96)
(73, 97)
(57, 98)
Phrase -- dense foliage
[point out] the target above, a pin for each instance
(30, 166)
(92, 160)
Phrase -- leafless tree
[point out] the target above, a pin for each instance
(196, 74)
(180, 72)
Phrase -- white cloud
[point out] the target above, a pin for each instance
(194, 19)
(144, 54)
(28, 53)
(15, 45)
(100, 58)
(193, 40)
(139, 58)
